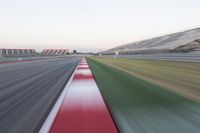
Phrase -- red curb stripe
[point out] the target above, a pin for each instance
(81, 77)
(78, 121)
(83, 109)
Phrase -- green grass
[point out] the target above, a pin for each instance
(138, 106)
(180, 77)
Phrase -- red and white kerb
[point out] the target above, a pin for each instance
(83, 109)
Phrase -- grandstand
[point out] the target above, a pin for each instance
(18, 52)
(187, 41)
(32, 52)
(193, 46)
(54, 52)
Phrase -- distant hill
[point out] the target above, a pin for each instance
(185, 41)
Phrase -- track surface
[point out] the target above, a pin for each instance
(28, 90)
(193, 57)
(141, 107)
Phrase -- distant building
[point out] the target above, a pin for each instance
(181, 42)
(74, 51)
(0, 52)
(18, 52)
(116, 52)
(54, 52)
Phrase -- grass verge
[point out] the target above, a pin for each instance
(142, 107)
(180, 77)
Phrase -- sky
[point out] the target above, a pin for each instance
(91, 25)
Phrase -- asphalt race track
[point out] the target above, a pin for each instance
(28, 91)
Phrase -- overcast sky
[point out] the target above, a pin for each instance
(91, 24)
